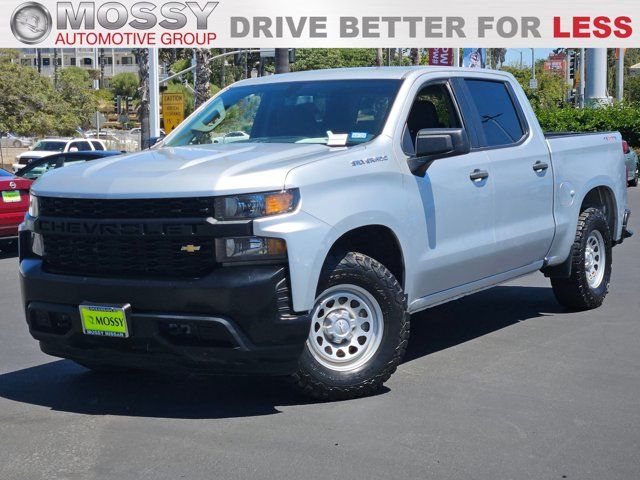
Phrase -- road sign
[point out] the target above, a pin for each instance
(172, 110)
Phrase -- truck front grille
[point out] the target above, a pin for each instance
(198, 207)
(141, 257)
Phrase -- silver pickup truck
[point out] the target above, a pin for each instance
(293, 224)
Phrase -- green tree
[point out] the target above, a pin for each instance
(125, 85)
(550, 92)
(75, 87)
(29, 105)
(321, 58)
(7, 55)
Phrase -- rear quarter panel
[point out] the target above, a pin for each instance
(580, 164)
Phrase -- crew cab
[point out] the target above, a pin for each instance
(51, 146)
(357, 198)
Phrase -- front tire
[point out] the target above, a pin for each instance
(359, 330)
(588, 284)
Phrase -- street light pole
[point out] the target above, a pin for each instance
(583, 73)
(596, 88)
(620, 75)
(154, 93)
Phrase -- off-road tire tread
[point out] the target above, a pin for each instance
(309, 386)
(574, 292)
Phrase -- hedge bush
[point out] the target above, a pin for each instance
(624, 118)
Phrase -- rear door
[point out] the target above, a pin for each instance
(521, 172)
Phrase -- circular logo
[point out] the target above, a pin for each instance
(31, 23)
(12, 185)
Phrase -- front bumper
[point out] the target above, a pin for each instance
(236, 320)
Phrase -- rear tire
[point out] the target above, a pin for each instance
(359, 330)
(588, 284)
(634, 182)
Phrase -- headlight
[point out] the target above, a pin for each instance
(34, 211)
(256, 205)
(249, 249)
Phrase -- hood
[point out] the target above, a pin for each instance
(38, 154)
(204, 170)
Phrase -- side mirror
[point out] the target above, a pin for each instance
(435, 143)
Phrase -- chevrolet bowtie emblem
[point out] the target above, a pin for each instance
(190, 249)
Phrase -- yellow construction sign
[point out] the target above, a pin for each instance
(172, 110)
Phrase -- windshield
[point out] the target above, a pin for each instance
(49, 146)
(341, 112)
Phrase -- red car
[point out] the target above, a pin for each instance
(14, 203)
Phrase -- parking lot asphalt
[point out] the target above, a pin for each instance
(503, 384)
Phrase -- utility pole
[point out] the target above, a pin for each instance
(620, 75)
(596, 88)
(534, 81)
(154, 93)
(282, 60)
(583, 74)
(222, 70)
(96, 86)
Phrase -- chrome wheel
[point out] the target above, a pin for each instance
(594, 259)
(346, 328)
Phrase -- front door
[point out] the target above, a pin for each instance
(457, 202)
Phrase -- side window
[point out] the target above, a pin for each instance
(97, 145)
(432, 108)
(81, 146)
(499, 118)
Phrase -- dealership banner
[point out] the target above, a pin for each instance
(326, 23)
(442, 57)
(474, 58)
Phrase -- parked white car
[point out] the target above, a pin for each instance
(51, 146)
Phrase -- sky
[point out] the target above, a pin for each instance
(513, 55)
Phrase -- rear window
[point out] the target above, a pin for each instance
(4, 173)
(49, 146)
(499, 118)
(98, 146)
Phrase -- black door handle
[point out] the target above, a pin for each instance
(479, 175)
(540, 166)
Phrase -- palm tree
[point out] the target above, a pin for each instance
(142, 57)
(415, 56)
(203, 75)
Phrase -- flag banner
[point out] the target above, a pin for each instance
(474, 58)
(441, 56)
(329, 24)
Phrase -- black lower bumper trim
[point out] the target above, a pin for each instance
(229, 322)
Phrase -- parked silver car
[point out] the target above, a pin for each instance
(9, 140)
(631, 161)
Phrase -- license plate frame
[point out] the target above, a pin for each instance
(11, 196)
(105, 320)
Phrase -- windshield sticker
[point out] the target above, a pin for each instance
(359, 136)
(370, 160)
(337, 139)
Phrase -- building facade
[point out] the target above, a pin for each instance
(112, 61)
